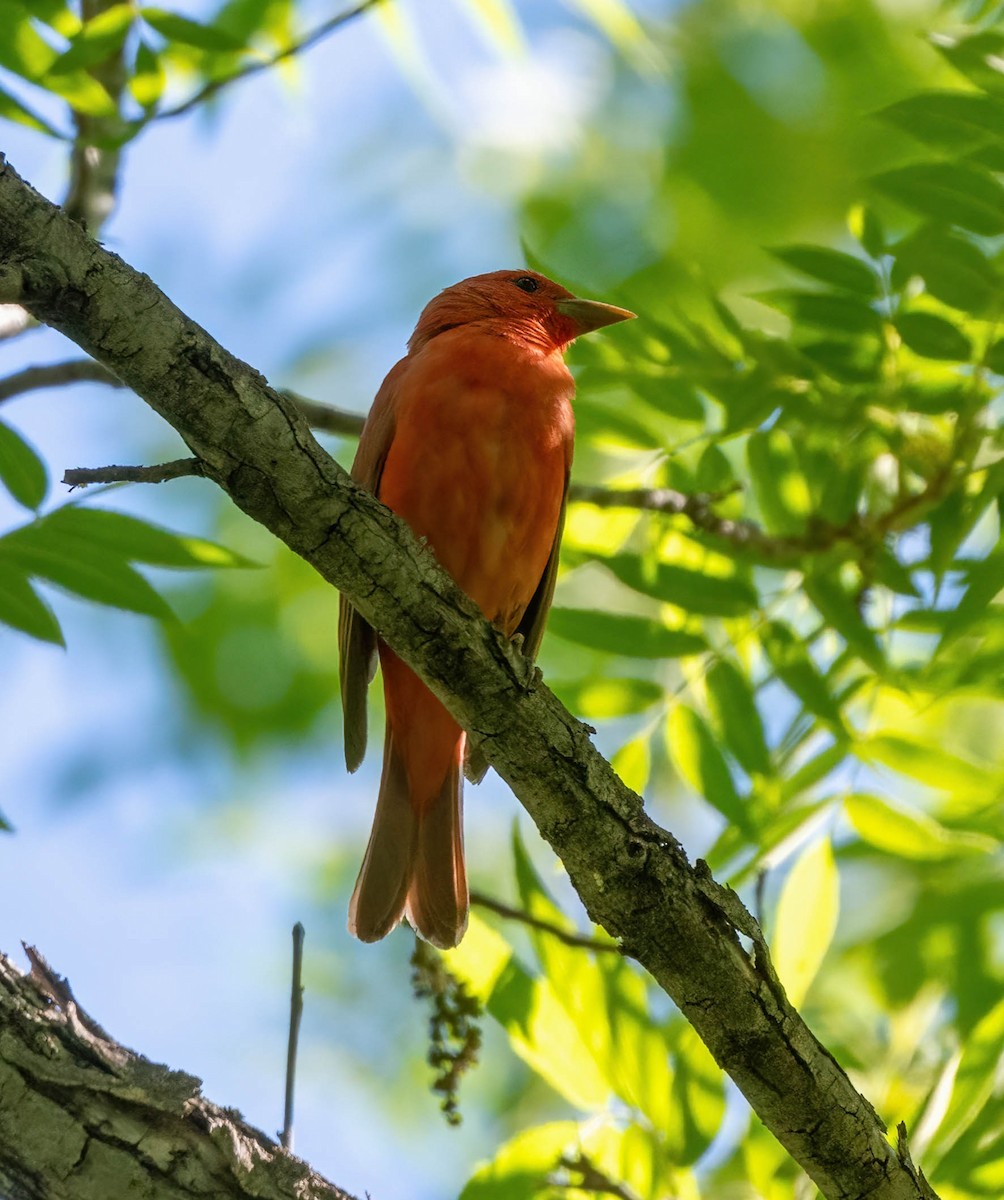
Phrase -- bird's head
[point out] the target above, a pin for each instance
(521, 305)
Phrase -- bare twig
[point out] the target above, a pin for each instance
(577, 940)
(305, 43)
(73, 370)
(326, 417)
(295, 1013)
(82, 476)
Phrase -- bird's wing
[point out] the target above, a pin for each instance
(357, 643)
(531, 627)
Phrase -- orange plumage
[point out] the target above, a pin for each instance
(470, 440)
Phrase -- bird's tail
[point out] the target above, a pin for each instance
(414, 862)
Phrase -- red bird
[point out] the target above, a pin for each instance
(470, 441)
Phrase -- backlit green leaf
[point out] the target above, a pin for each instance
(979, 56)
(866, 227)
(778, 481)
(22, 49)
(984, 580)
(701, 764)
(148, 78)
(13, 110)
(616, 633)
(696, 591)
(950, 192)
(924, 761)
(600, 698)
(524, 1164)
(806, 918)
(538, 1027)
(824, 310)
(834, 267)
(22, 472)
(101, 37)
(910, 833)
(633, 762)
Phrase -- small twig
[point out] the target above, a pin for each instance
(73, 370)
(592, 1179)
(265, 64)
(326, 417)
(295, 1013)
(83, 476)
(580, 941)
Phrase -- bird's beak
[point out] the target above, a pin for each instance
(591, 314)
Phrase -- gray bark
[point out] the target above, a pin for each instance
(83, 1118)
(632, 876)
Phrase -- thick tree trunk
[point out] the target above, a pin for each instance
(632, 876)
(83, 1118)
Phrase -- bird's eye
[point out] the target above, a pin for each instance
(527, 283)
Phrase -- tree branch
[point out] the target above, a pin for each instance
(576, 940)
(83, 1116)
(73, 370)
(632, 876)
(179, 468)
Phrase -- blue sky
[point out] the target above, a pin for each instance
(303, 223)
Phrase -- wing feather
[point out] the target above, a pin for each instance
(357, 641)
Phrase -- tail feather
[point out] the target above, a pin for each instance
(378, 898)
(437, 899)
(414, 861)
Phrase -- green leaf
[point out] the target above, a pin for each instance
(834, 267)
(101, 37)
(909, 833)
(38, 550)
(500, 22)
(597, 698)
(177, 28)
(824, 310)
(955, 270)
(979, 57)
(954, 120)
(5, 825)
(933, 337)
(697, 1105)
(984, 580)
(616, 633)
(734, 709)
(22, 49)
(806, 918)
(148, 78)
(82, 92)
(13, 110)
(926, 762)
(975, 1086)
(22, 608)
(530, 1011)
(780, 486)
(522, 1166)
(701, 764)
(949, 192)
(21, 470)
(136, 540)
(633, 763)
(794, 667)
(994, 357)
(695, 591)
(839, 610)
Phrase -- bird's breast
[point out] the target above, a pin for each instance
(478, 463)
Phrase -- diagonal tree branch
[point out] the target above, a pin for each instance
(82, 1116)
(632, 876)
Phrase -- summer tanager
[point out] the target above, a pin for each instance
(470, 441)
